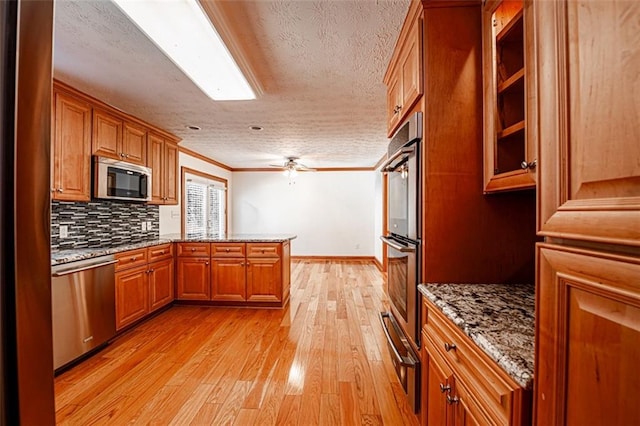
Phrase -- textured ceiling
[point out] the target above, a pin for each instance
(320, 64)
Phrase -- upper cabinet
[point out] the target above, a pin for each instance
(589, 57)
(162, 158)
(116, 138)
(84, 126)
(71, 148)
(404, 75)
(509, 143)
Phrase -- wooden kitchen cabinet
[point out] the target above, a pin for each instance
(144, 282)
(264, 272)
(475, 390)
(588, 310)
(229, 279)
(132, 295)
(116, 138)
(510, 157)
(588, 281)
(161, 288)
(71, 148)
(162, 158)
(193, 275)
(404, 75)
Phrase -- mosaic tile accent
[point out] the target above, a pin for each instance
(102, 223)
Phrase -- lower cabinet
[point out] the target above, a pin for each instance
(462, 385)
(193, 278)
(588, 312)
(143, 282)
(235, 273)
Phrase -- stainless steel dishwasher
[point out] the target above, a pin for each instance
(83, 306)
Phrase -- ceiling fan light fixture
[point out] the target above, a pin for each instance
(182, 30)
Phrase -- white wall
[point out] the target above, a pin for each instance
(332, 213)
(170, 221)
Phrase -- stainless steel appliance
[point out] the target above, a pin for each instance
(120, 180)
(403, 254)
(83, 307)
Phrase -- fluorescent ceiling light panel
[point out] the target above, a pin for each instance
(181, 29)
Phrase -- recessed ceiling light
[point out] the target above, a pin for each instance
(193, 127)
(256, 128)
(185, 34)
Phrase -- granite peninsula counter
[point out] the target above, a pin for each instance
(499, 318)
(72, 255)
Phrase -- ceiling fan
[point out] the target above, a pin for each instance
(291, 167)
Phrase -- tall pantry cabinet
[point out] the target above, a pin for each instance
(588, 268)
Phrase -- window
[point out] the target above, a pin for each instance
(204, 203)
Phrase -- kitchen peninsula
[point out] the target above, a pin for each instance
(232, 270)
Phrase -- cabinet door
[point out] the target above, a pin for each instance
(193, 278)
(170, 174)
(132, 296)
(411, 68)
(107, 135)
(264, 280)
(437, 381)
(464, 410)
(394, 103)
(589, 123)
(228, 280)
(588, 328)
(156, 161)
(71, 149)
(160, 283)
(134, 143)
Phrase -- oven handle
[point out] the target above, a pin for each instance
(404, 361)
(404, 152)
(401, 248)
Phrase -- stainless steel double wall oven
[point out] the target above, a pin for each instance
(402, 244)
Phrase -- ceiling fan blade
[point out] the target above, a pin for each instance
(280, 166)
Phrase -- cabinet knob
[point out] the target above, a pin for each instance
(452, 400)
(450, 347)
(206, 263)
(126, 156)
(262, 251)
(228, 250)
(397, 109)
(133, 259)
(242, 264)
(122, 154)
(192, 249)
(445, 388)
(530, 165)
(60, 190)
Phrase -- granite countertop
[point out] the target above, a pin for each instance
(499, 318)
(65, 256)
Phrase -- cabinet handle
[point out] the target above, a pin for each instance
(228, 250)
(60, 190)
(450, 347)
(445, 388)
(452, 400)
(530, 165)
(133, 259)
(206, 263)
(126, 156)
(397, 109)
(192, 249)
(122, 154)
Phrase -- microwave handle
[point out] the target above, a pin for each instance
(404, 152)
(144, 185)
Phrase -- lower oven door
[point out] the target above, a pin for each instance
(402, 276)
(405, 360)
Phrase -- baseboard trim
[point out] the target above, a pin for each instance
(371, 259)
(378, 264)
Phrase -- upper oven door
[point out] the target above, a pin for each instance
(402, 202)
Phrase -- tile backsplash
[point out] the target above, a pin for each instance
(102, 223)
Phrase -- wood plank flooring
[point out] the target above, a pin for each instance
(322, 360)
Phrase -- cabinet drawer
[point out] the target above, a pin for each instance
(227, 249)
(131, 258)
(473, 368)
(163, 251)
(263, 249)
(194, 249)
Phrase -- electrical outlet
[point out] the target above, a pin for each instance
(357, 246)
(64, 231)
(144, 226)
(149, 226)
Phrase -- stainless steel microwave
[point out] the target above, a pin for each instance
(119, 180)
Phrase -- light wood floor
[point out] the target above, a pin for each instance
(322, 360)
